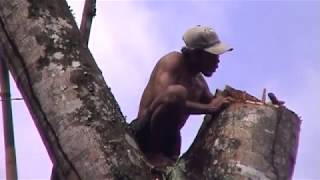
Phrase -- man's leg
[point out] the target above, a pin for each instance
(168, 110)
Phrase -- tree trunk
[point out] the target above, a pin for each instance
(248, 140)
(82, 126)
(78, 118)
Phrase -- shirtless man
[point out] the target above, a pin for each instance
(177, 89)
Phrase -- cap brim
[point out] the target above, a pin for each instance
(218, 49)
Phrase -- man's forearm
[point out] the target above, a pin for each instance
(200, 108)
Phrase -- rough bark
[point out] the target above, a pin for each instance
(248, 140)
(82, 126)
(78, 118)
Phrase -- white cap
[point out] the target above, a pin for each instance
(203, 37)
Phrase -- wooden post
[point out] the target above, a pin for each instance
(11, 167)
(89, 11)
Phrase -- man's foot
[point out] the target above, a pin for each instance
(159, 160)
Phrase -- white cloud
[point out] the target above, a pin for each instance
(126, 44)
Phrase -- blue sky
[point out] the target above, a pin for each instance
(276, 46)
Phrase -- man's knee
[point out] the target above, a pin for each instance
(176, 94)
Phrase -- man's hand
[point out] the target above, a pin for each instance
(218, 103)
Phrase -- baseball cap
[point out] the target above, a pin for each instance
(204, 37)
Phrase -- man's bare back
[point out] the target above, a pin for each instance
(175, 90)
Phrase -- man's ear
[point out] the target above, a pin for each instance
(199, 52)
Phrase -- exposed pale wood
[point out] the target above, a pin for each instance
(264, 95)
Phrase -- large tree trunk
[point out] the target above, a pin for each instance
(82, 126)
(77, 116)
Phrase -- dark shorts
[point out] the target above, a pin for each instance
(169, 142)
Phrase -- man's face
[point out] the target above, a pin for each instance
(209, 63)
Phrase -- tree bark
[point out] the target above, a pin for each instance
(82, 126)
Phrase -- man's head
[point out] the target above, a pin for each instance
(201, 61)
(204, 46)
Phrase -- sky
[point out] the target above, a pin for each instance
(276, 46)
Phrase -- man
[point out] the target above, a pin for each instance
(177, 89)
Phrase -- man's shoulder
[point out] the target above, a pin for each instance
(171, 60)
(171, 56)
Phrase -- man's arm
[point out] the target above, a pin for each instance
(214, 106)
(200, 108)
(208, 102)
